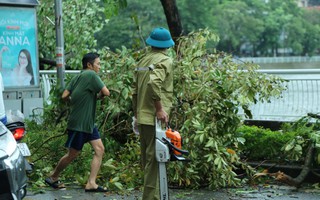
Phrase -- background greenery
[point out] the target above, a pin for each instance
(245, 27)
(209, 90)
(286, 146)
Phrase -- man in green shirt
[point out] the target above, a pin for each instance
(82, 92)
(152, 98)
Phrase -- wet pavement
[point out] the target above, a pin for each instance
(260, 192)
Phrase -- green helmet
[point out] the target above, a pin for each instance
(160, 38)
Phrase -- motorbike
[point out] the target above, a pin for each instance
(13, 162)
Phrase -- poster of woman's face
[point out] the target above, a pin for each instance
(18, 47)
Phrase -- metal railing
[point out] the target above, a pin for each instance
(301, 96)
(49, 78)
(290, 59)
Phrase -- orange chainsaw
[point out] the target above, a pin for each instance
(168, 147)
(175, 144)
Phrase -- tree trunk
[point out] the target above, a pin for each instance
(282, 177)
(173, 18)
(297, 181)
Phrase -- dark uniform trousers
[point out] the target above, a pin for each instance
(149, 162)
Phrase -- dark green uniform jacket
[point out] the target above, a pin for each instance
(153, 81)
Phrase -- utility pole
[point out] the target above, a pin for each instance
(59, 44)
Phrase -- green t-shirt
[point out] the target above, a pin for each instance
(83, 88)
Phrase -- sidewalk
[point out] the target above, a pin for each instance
(274, 192)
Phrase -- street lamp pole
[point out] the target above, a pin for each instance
(59, 44)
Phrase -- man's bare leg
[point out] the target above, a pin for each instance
(95, 164)
(64, 162)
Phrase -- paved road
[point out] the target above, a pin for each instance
(269, 192)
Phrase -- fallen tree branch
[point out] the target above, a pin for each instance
(47, 140)
(297, 181)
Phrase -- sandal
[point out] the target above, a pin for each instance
(54, 184)
(98, 189)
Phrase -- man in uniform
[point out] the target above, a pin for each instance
(152, 98)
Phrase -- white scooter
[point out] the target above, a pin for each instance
(13, 175)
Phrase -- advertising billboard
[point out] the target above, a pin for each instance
(18, 47)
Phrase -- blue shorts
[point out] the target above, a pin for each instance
(77, 139)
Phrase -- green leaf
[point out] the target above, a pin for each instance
(298, 148)
(201, 138)
(125, 93)
(288, 147)
(210, 157)
(241, 140)
(118, 185)
(217, 161)
(115, 179)
(210, 143)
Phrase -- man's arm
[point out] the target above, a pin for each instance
(160, 113)
(66, 95)
(104, 92)
(3, 49)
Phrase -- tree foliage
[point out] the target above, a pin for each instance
(237, 25)
(209, 90)
(81, 19)
(311, 38)
(245, 27)
(132, 25)
(197, 14)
